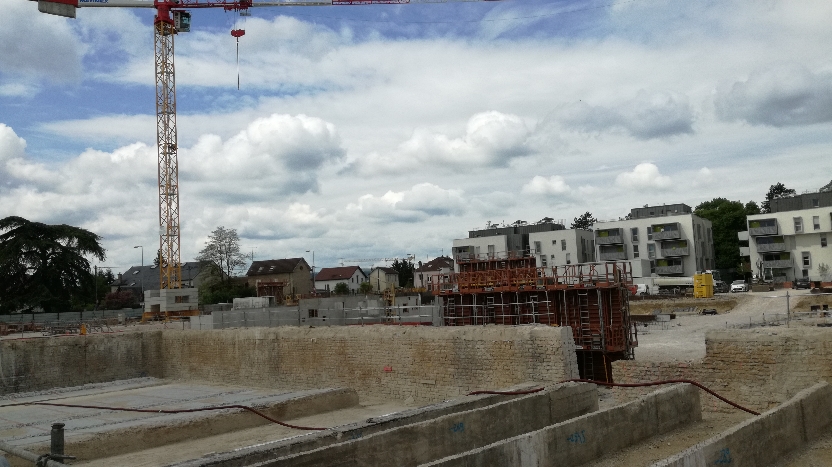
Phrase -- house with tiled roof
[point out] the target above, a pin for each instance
(137, 279)
(292, 274)
(382, 278)
(424, 275)
(328, 278)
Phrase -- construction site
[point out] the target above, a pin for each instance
(514, 365)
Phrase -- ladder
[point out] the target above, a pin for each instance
(589, 369)
(583, 314)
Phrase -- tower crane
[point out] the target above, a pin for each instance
(171, 18)
(409, 257)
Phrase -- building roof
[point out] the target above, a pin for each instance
(385, 269)
(147, 277)
(437, 264)
(340, 273)
(273, 266)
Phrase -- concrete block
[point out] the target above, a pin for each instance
(415, 444)
(588, 437)
(764, 439)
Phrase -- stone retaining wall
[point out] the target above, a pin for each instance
(758, 368)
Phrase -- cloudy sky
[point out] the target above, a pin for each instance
(373, 131)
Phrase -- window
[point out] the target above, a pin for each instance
(651, 250)
(805, 273)
(181, 299)
(652, 267)
(537, 247)
(816, 222)
(569, 258)
(823, 240)
(543, 261)
(798, 224)
(563, 245)
(649, 233)
(634, 234)
(807, 260)
(815, 203)
(554, 242)
(490, 251)
(635, 251)
(313, 313)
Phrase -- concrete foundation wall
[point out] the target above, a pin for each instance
(418, 443)
(41, 363)
(757, 368)
(583, 439)
(763, 440)
(401, 362)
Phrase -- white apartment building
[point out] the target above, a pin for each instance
(667, 240)
(559, 247)
(790, 244)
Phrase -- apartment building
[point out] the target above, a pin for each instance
(556, 247)
(499, 242)
(785, 245)
(666, 240)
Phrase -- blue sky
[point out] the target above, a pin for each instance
(372, 131)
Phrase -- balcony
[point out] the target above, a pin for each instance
(613, 253)
(679, 248)
(767, 244)
(763, 227)
(609, 236)
(667, 267)
(668, 270)
(669, 231)
(778, 261)
(778, 264)
(745, 251)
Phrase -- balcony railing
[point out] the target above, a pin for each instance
(674, 269)
(745, 251)
(779, 264)
(609, 237)
(763, 227)
(765, 247)
(666, 231)
(613, 255)
(676, 251)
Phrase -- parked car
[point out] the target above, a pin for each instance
(739, 286)
(802, 283)
(721, 287)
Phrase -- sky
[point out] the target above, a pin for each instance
(387, 130)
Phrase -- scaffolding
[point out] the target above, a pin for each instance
(591, 298)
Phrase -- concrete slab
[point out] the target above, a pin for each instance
(92, 433)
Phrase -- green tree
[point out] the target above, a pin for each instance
(405, 270)
(584, 221)
(775, 191)
(365, 287)
(222, 252)
(341, 288)
(727, 218)
(45, 265)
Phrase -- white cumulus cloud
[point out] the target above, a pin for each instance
(554, 185)
(643, 176)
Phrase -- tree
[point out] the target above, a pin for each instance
(584, 221)
(120, 299)
(44, 265)
(776, 191)
(341, 288)
(823, 270)
(405, 270)
(365, 287)
(727, 219)
(222, 252)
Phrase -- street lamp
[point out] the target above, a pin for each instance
(139, 246)
(314, 290)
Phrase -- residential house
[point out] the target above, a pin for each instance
(424, 274)
(292, 275)
(382, 278)
(666, 240)
(328, 278)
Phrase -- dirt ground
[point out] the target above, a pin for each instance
(683, 338)
(721, 302)
(818, 454)
(806, 301)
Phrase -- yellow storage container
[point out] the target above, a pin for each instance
(703, 286)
